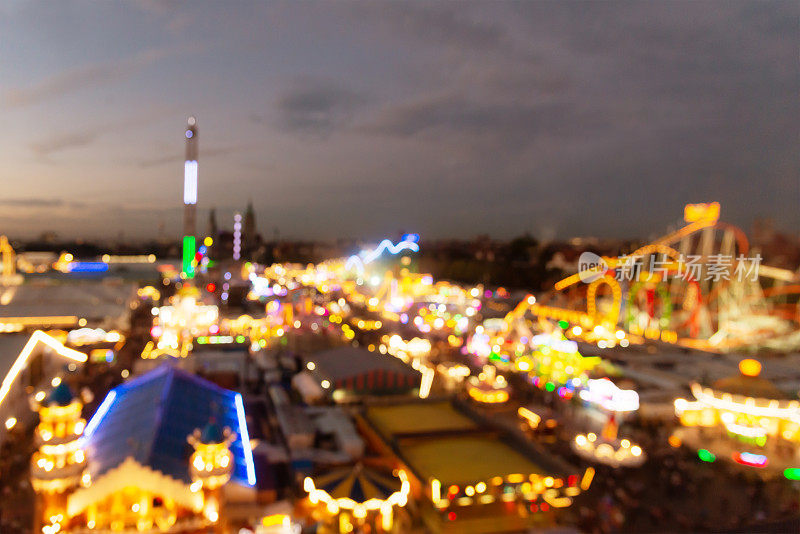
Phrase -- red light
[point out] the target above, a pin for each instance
(451, 516)
(545, 507)
(534, 508)
(211, 288)
(748, 458)
(572, 480)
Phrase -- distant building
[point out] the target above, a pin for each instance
(250, 236)
(349, 373)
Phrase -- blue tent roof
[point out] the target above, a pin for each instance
(359, 483)
(150, 417)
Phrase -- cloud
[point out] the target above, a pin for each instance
(448, 25)
(316, 108)
(493, 133)
(31, 202)
(78, 78)
(204, 153)
(449, 114)
(58, 143)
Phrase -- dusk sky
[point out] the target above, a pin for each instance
(344, 119)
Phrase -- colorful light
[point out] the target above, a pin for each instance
(87, 267)
(188, 255)
(750, 367)
(237, 236)
(606, 394)
(706, 455)
(19, 364)
(792, 473)
(99, 414)
(190, 182)
(248, 451)
(751, 459)
(368, 256)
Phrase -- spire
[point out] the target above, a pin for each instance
(249, 229)
(212, 223)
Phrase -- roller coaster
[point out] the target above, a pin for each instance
(697, 287)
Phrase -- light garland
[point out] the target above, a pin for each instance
(620, 453)
(359, 509)
(19, 364)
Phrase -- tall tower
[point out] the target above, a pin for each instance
(190, 197)
(57, 467)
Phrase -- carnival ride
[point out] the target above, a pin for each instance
(8, 272)
(698, 287)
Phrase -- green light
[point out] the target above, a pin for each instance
(202, 340)
(792, 473)
(706, 455)
(563, 324)
(240, 339)
(188, 255)
(550, 387)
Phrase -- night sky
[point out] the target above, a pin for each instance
(362, 119)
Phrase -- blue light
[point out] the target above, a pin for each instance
(189, 134)
(248, 451)
(88, 267)
(356, 261)
(99, 414)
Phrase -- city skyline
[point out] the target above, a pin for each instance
(359, 120)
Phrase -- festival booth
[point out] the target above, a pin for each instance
(472, 476)
(744, 418)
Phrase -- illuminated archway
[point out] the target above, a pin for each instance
(591, 300)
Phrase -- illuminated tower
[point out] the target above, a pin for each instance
(237, 236)
(58, 466)
(190, 196)
(210, 467)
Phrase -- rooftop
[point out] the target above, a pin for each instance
(150, 417)
(86, 298)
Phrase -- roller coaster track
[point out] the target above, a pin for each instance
(669, 305)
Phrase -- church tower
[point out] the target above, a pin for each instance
(250, 232)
